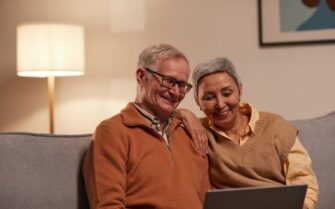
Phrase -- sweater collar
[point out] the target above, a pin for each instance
(132, 116)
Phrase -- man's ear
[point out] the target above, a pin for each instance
(140, 76)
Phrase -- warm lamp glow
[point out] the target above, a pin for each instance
(50, 50)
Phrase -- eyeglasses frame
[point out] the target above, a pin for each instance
(175, 81)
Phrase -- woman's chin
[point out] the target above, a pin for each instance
(221, 121)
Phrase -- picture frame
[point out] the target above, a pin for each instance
(279, 25)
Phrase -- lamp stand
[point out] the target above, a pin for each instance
(51, 101)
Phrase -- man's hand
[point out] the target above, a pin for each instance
(195, 129)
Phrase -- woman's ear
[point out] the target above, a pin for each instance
(241, 91)
(196, 98)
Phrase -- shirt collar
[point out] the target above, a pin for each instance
(155, 123)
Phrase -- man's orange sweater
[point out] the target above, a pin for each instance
(129, 165)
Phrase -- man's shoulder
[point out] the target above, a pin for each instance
(117, 120)
(113, 121)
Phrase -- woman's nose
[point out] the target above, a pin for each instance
(220, 103)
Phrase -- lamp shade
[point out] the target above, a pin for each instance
(50, 50)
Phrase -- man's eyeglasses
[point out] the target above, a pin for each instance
(170, 82)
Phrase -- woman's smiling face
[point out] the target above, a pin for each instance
(219, 97)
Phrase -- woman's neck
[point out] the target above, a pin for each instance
(238, 128)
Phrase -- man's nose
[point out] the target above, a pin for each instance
(175, 88)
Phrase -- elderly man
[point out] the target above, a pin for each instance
(143, 157)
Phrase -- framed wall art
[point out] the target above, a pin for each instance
(283, 22)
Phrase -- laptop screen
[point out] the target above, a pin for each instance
(274, 197)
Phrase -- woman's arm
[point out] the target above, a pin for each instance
(298, 169)
(194, 128)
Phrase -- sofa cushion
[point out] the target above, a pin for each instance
(318, 137)
(42, 171)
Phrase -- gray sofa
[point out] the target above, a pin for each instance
(41, 171)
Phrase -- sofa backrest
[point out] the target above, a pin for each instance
(39, 171)
(318, 137)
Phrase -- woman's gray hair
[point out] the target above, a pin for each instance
(219, 64)
(155, 54)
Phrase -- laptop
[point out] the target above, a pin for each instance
(274, 197)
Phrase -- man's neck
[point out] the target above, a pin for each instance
(161, 119)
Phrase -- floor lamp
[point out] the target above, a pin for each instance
(49, 51)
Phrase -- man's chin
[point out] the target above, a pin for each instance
(168, 108)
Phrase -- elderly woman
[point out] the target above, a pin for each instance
(246, 147)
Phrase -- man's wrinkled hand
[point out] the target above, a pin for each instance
(195, 129)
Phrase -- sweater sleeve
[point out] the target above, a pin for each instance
(104, 169)
(298, 169)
